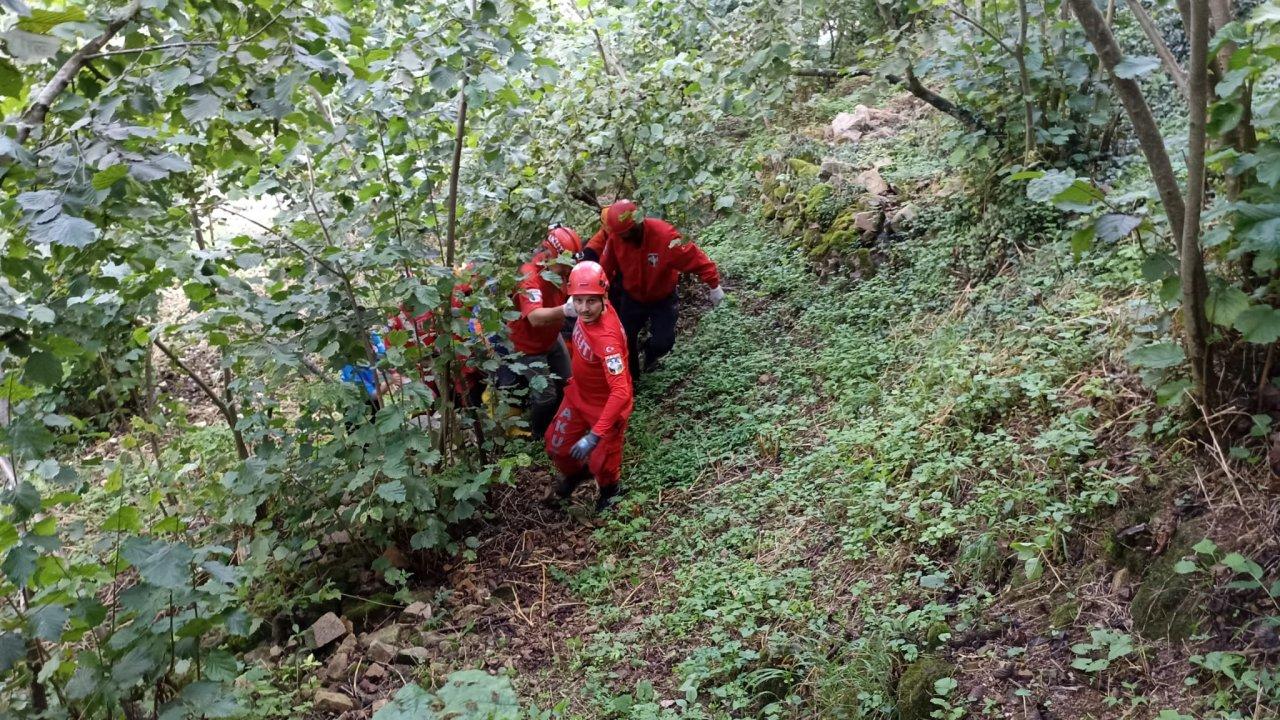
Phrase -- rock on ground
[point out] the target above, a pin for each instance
(325, 630)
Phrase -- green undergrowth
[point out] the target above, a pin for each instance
(827, 479)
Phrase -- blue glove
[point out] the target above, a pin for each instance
(583, 447)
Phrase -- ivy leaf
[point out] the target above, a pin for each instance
(1259, 324)
(162, 564)
(1133, 67)
(1157, 356)
(1114, 226)
(10, 79)
(27, 47)
(104, 179)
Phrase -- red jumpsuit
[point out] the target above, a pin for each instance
(651, 268)
(598, 399)
(534, 292)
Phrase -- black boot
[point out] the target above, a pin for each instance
(540, 417)
(565, 486)
(607, 499)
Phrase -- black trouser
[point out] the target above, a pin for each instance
(552, 365)
(660, 316)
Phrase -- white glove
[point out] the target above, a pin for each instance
(569, 312)
(716, 295)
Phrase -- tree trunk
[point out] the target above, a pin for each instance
(1024, 81)
(1195, 287)
(1135, 105)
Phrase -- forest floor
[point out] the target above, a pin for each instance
(934, 486)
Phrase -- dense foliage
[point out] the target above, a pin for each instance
(208, 207)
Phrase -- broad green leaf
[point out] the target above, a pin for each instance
(1171, 392)
(201, 106)
(163, 564)
(8, 536)
(10, 79)
(477, 694)
(1259, 324)
(1049, 185)
(1243, 565)
(104, 179)
(42, 21)
(47, 622)
(1082, 241)
(125, 519)
(1184, 567)
(27, 47)
(42, 368)
(1267, 165)
(1205, 547)
(392, 492)
(19, 565)
(1157, 355)
(1114, 226)
(1132, 67)
(12, 651)
(65, 230)
(411, 702)
(1225, 304)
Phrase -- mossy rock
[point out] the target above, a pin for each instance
(933, 636)
(819, 250)
(803, 168)
(1167, 604)
(840, 239)
(814, 198)
(915, 687)
(812, 236)
(790, 226)
(780, 192)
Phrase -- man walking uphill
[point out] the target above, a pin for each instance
(586, 436)
(650, 255)
(536, 333)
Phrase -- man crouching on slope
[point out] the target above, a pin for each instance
(586, 436)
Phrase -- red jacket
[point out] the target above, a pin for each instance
(534, 292)
(601, 380)
(651, 269)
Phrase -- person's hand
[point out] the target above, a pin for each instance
(568, 309)
(716, 295)
(583, 447)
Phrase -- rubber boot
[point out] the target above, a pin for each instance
(607, 499)
(565, 486)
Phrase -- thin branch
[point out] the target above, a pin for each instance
(1171, 66)
(227, 413)
(191, 43)
(39, 108)
(981, 28)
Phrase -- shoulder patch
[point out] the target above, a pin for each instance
(534, 294)
(675, 242)
(614, 364)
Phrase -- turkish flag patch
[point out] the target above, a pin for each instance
(614, 364)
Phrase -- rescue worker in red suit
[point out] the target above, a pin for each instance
(586, 436)
(536, 333)
(649, 255)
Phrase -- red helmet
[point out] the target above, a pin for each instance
(620, 217)
(587, 278)
(561, 239)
